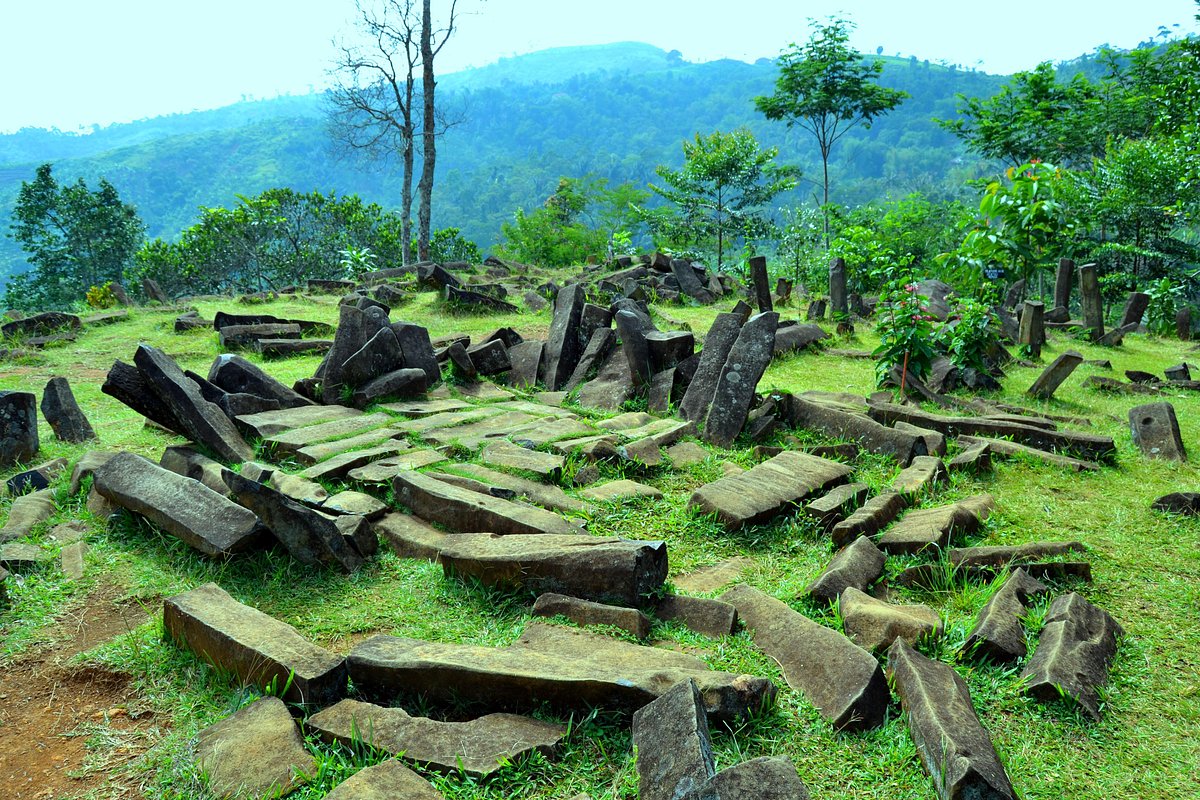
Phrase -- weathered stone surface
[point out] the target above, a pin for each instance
(769, 489)
(88, 463)
(34, 479)
(765, 778)
(620, 490)
(837, 423)
(272, 423)
(18, 428)
(71, 558)
(832, 507)
(715, 576)
(748, 359)
(255, 647)
(797, 337)
(954, 747)
(634, 346)
(612, 386)
(199, 419)
(526, 361)
(1179, 503)
(1155, 431)
(934, 527)
(599, 348)
(43, 324)
(257, 752)
(411, 537)
(243, 337)
(545, 495)
(1005, 448)
(63, 414)
(1054, 375)
(674, 754)
(935, 442)
(384, 470)
(1001, 555)
(417, 350)
(919, 476)
(18, 556)
(837, 288)
(477, 748)
(468, 512)
(717, 345)
(648, 440)
(310, 537)
(1091, 301)
(685, 454)
(873, 624)
(404, 382)
(700, 614)
(489, 358)
(181, 506)
(185, 460)
(588, 612)
(356, 503)
(1081, 445)
(976, 458)
(356, 327)
(296, 439)
(568, 669)
(856, 566)
(126, 383)
(603, 569)
(386, 781)
(841, 679)
(563, 347)
(511, 456)
(1073, 654)
(869, 519)
(316, 453)
(999, 632)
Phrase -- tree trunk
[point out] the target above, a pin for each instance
(825, 203)
(406, 187)
(428, 133)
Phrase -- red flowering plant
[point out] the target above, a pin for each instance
(906, 332)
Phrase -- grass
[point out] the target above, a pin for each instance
(1146, 567)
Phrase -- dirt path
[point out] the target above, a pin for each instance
(64, 728)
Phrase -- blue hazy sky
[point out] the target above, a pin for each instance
(74, 63)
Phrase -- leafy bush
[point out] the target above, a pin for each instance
(969, 334)
(905, 331)
(101, 296)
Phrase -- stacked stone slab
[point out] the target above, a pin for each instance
(373, 359)
(774, 487)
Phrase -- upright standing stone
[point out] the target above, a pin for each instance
(154, 292)
(1033, 333)
(1093, 303)
(1062, 283)
(66, 418)
(563, 347)
(18, 427)
(1183, 324)
(748, 360)
(717, 344)
(1135, 307)
(689, 283)
(762, 285)
(637, 351)
(837, 288)
(1156, 431)
(675, 757)
(1053, 376)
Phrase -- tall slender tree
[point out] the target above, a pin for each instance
(826, 88)
(432, 42)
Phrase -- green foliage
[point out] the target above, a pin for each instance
(826, 88)
(905, 330)
(273, 239)
(448, 244)
(101, 296)
(720, 195)
(969, 334)
(73, 237)
(582, 220)
(1166, 296)
(1021, 225)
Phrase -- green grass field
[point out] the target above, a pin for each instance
(1146, 567)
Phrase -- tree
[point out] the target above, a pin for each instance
(73, 236)
(720, 194)
(372, 104)
(376, 106)
(827, 89)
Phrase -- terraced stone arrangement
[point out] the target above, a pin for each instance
(494, 484)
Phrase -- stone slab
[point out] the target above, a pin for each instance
(774, 487)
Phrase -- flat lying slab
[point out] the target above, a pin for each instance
(339, 466)
(543, 494)
(411, 537)
(700, 614)
(873, 624)
(999, 632)
(444, 419)
(472, 435)
(384, 470)
(1000, 555)
(715, 576)
(385, 781)
(568, 669)
(620, 490)
(1003, 447)
(837, 676)
(954, 747)
(920, 475)
(416, 409)
(297, 439)
(772, 488)
(604, 569)
(464, 511)
(316, 453)
(933, 527)
(510, 456)
(25, 513)
(478, 747)
(856, 566)
(183, 507)
(588, 612)
(271, 423)
(257, 752)
(1073, 654)
(869, 519)
(839, 423)
(255, 647)
(832, 507)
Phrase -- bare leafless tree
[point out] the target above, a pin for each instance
(377, 107)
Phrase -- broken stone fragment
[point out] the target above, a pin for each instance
(386, 781)
(954, 747)
(587, 612)
(858, 566)
(63, 413)
(1073, 655)
(772, 488)
(935, 527)
(999, 632)
(873, 624)
(257, 752)
(477, 747)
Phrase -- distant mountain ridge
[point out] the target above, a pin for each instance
(614, 110)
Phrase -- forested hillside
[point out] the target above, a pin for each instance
(616, 111)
